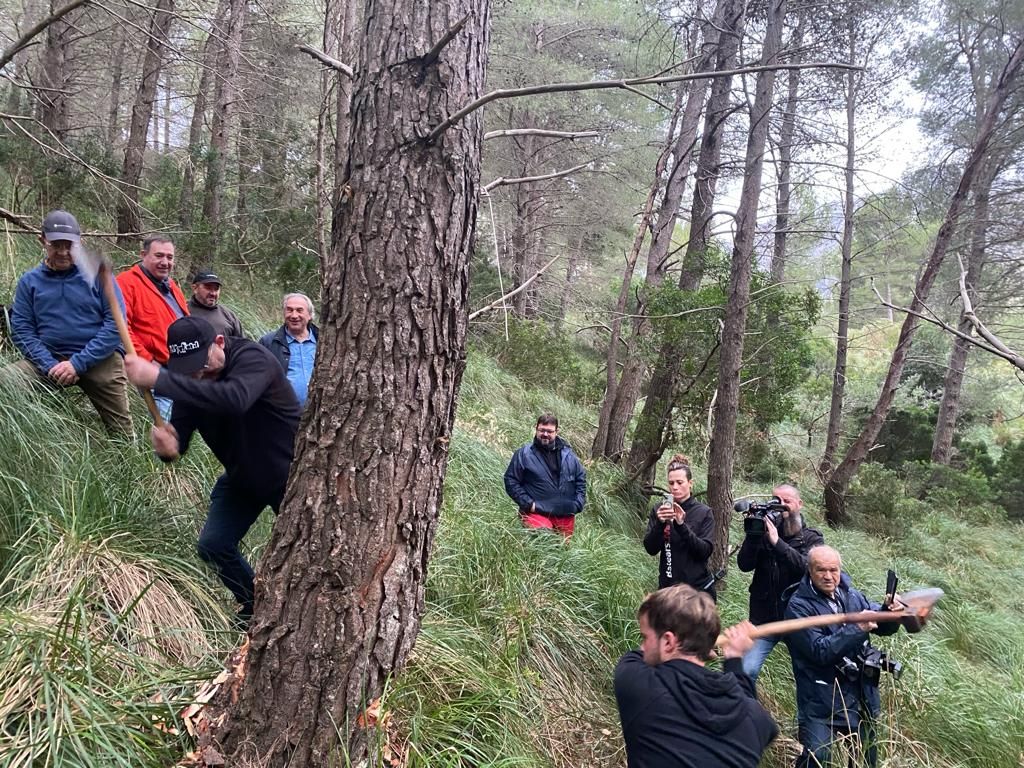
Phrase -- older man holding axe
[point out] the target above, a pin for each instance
(63, 323)
(836, 669)
(233, 393)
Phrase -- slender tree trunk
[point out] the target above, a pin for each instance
(949, 406)
(116, 74)
(340, 589)
(167, 112)
(649, 435)
(129, 217)
(833, 432)
(786, 136)
(224, 102)
(211, 49)
(600, 448)
(839, 480)
(730, 359)
(571, 269)
(54, 78)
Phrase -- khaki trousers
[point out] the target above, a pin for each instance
(106, 386)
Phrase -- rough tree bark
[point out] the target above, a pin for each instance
(839, 480)
(730, 358)
(116, 74)
(223, 107)
(129, 218)
(949, 406)
(833, 432)
(340, 589)
(652, 425)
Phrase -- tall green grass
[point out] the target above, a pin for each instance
(108, 620)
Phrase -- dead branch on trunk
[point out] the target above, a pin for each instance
(501, 181)
(593, 85)
(542, 132)
(432, 55)
(26, 38)
(525, 284)
(329, 61)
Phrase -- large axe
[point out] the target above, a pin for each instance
(97, 267)
(913, 608)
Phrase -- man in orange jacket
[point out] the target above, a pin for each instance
(152, 301)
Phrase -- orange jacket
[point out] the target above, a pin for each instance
(148, 313)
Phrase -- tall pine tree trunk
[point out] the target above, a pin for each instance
(839, 480)
(224, 105)
(787, 134)
(340, 588)
(650, 434)
(730, 358)
(129, 218)
(949, 406)
(833, 432)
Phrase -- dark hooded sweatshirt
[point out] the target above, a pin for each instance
(681, 715)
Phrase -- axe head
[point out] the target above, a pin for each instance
(89, 264)
(918, 605)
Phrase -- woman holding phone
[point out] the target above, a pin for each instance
(680, 530)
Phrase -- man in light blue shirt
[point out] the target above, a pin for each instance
(294, 343)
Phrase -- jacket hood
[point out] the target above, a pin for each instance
(710, 697)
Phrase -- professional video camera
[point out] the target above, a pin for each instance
(754, 514)
(869, 665)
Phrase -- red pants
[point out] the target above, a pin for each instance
(563, 525)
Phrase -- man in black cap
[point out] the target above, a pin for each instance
(204, 303)
(236, 396)
(62, 324)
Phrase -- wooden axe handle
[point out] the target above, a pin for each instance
(107, 279)
(795, 625)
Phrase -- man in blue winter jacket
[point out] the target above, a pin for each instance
(836, 695)
(546, 480)
(62, 324)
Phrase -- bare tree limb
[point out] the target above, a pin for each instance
(26, 38)
(525, 284)
(432, 55)
(330, 61)
(501, 181)
(542, 132)
(591, 85)
(986, 345)
(647, 96)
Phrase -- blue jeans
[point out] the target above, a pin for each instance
(817, 737)
(232, 513)
(164, 405)
(754, 659)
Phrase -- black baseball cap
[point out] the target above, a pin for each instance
(188, 341)
(206, 277)
(61, 225)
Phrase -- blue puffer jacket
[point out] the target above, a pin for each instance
(528, 480)
(60, 315)
(822, 692)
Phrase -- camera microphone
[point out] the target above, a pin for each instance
(741, 506)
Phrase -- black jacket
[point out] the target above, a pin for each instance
(681, 715)
(529, 480)
(775, 568)
(688, 546)
(822, 692)
(248, 416)
(278, 344)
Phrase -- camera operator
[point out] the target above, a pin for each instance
(835, 694)
(681, 529)
(675, 712)
(778, 558)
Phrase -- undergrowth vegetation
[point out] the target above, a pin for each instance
(108, 622)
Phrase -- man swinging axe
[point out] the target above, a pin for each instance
(233, 392)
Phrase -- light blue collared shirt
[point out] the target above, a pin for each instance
(300, 363)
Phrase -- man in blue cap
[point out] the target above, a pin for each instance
(233, 393)
(63, 326)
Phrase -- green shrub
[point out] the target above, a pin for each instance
(1008, 483)
(964, 494)
(878, 503)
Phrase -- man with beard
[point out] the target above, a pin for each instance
(778, 560)
(677, 713)
(546, 480)
(205, 303)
